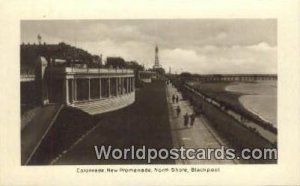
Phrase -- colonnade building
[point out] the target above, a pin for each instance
(92, 90)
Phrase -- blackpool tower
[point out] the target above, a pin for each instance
(156, 61)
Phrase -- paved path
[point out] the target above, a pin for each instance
(201, 135)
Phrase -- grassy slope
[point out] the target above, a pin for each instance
(217, 91)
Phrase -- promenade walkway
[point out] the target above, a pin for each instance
(200, 135)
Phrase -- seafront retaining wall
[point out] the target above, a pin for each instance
(68, 127)
(237, 134)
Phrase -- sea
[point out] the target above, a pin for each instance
(260, 98)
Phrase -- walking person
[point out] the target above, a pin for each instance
(192, 116)
(178, 110)
(200, 110)
(186, 119)
(176, 98)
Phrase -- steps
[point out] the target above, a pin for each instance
(105, 105)
(29, 115)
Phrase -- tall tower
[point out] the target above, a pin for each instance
(156, 62)
(39, 37)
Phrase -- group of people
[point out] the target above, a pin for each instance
(189, 119)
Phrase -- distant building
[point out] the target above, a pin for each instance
(147, 76)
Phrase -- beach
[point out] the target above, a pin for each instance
(260, 98)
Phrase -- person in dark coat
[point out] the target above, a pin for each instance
(178, 110)
(192, 116)
(186, 119)
(173, 98)
(176, 98)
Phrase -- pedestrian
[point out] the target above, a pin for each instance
(173, 98)
(178, 110)
(186, 119)
(192, 116)
(176, 98)
(199, 110)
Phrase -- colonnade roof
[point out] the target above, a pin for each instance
(76, 70)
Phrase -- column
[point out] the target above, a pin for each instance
(89, 89)
(117, 86)
(100, 89)
(75, 89)
(66, 91)
(133, 84)
(130, 81)
(125, 84)
(122, 85)
(108, 79)
(128, 84)
(129, 78)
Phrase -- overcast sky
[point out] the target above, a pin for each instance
(196, 45)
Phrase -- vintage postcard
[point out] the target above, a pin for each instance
(206, 93)
(181, 94)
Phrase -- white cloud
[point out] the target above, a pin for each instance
(198, 46)
(261, 46)
(130, 51)
(208, 59)
(213, 59)
(182, 60)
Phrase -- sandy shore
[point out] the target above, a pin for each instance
(260, 98)
(262, 106)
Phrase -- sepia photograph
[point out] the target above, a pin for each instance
(140, 92)
(148, 91)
